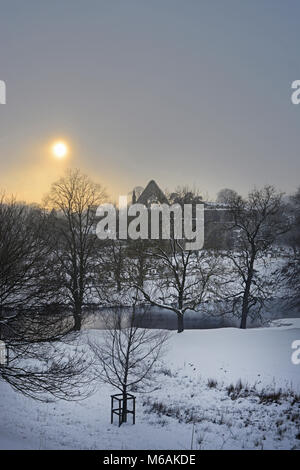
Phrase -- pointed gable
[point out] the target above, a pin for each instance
(152, 194)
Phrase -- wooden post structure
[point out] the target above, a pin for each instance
(118, 410)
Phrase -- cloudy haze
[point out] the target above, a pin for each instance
(190, 91)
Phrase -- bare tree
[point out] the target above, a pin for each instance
(29, 327)
(226, 195)
(291, 269)
(24, 251)
(26, 276)
(185, 279)
(185, 195)
(138, 262)
(75, 198)
(113, 262)
(122, 264)
(127, 354)
(257, 223)
(46, 370)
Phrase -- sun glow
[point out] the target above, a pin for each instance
(60, 149)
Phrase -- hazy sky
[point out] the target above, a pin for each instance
(189, 91)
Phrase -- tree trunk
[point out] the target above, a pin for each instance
(119, 285)
(77, 318)
(243, 324)
(245, 308)
(1, 325)
(180, 325)
(124, 411)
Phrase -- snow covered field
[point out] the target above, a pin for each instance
(215, 389)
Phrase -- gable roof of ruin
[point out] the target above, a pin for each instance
(152, 193)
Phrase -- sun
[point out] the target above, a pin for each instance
(60, 149)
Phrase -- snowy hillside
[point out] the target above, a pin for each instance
(221, 388)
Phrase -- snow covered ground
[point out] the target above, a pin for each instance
(215, 389)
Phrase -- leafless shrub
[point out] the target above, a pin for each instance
(127, 354)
